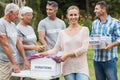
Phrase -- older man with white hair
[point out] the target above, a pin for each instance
(10, 44)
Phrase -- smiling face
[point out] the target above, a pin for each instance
(73, 16)
(98, 11)
(101, 9)
(50, 11)
(27, 17)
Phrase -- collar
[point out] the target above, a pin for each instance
(107, 19)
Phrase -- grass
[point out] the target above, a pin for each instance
(90, 64)
(91, 68)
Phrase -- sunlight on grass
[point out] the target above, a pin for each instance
(91, 68)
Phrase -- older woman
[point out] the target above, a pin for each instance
(26, 32)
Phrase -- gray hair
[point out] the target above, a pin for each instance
(53, 4)
(11, 7)
(24, 10)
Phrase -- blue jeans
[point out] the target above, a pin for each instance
(76, 76)
(106, 70)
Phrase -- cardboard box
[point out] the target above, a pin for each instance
(45, 67)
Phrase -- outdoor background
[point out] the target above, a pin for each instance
(86, 16)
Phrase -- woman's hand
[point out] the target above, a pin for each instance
(67, 55)
(64, 57)
(42, 54)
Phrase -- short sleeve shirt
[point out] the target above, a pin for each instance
(28, 37)
(9, 30)
(51, 29)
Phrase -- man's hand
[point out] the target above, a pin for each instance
(15, 68)
(26, 64)
(111, 45)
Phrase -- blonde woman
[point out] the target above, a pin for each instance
(74, 42)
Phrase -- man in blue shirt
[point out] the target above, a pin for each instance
(105, 59)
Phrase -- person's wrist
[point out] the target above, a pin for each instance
(14, 63)
(25, 59)
(34, 47)
(46, 53)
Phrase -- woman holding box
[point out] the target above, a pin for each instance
(74, 42)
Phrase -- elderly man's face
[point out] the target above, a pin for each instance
(13, 15)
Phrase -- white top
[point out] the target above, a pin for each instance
(77, 44)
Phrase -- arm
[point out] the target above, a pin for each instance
(8, 52)
(56, 48)
(64, 25)
(41, 33)
(117, 36)
(34, 47)
(41, 36)
(21, 50)
(7, 49)
(30, 47)
(82, 49)
(111, 45)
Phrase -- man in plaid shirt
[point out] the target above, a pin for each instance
(105, 59)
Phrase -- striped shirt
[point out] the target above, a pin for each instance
(110, 28)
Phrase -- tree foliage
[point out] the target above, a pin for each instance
(86, 8)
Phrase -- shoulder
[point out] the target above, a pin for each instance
(30, 27)
(114, 19)
(13, 23)
(1, 22)
(85, 28)
(2, 27)
(60, 20)
(95, 21)
(43, 20)
(18, 26)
